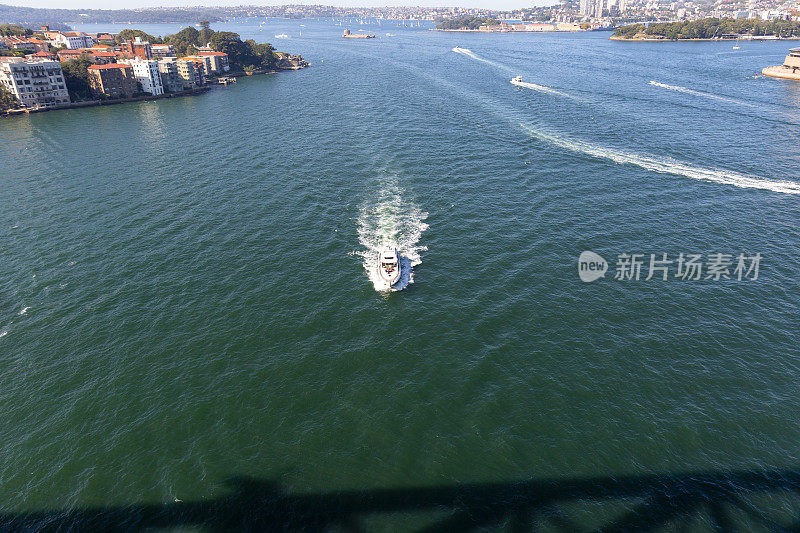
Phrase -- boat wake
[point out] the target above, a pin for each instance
(542, 89)
(389, 220)
(667, 165)
(701, 94)
(470, 54)
(533, 86)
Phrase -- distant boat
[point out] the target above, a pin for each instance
(736, 46)
(282, 36)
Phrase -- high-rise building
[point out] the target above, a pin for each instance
(192, 72)
(114, 80)
(147, 74)
(36, 83)
(170, 79)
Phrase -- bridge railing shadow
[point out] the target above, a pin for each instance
(722, 501)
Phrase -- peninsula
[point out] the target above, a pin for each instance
(709, 29)
(76, 69)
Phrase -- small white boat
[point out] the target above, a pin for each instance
(517, 80)
(389, 265)
(736, 46)
(282, 36)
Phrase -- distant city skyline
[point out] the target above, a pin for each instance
(132, 4)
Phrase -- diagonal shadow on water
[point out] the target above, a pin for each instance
(651, 503)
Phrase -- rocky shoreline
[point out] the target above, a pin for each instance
(658, 39)
(286, 63)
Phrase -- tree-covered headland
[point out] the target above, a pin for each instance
(470, 23)
(709, 28)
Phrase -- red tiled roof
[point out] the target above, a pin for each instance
(102, 53)
(109, 66)
(42, 53)
(211, 53)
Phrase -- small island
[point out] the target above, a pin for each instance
(709, 29)
(350, 35)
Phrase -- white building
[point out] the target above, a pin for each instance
(72, 39)
(35, 83)
(147, 74)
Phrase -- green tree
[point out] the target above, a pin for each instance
(184, 42)
(205, 33)
(471, 23)
(263, 54)
(238, 52)
(130, 35)
(7, 100)
(76, 77)
(7, 30)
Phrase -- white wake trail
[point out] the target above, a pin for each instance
(702, 94)
(533, 86)
(469, 53)
(390, 220)
(543, 89)
(666, 165)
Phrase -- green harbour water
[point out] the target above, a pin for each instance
(185, 288)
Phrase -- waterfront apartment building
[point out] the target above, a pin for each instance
(192, 72)
(170, 79)
(115, 80)
(208, 68)
(219, 61)
(147, 73)
(37, 83)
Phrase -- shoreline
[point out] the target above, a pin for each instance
(146, 98)
(514, 31)
(659, 40)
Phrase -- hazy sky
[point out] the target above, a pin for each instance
(122, 4)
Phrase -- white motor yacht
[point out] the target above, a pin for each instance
(389, 265)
